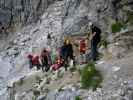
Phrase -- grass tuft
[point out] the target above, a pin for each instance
(78, 98)
(90, 77)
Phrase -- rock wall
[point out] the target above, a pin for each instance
(78, 13)
(21, 12)
(66, 16)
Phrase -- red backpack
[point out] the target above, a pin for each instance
(82, 46)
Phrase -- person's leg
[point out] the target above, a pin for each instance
(74, 62)
(30, 64)
(71, 56)
(94, 52)
(42, 66)
(97, 51)
(47, 67)
(81, 58)
(49, 59)
(84, 58)
(66, 61)
(38, 66)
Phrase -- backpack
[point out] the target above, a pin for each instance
(82, 46)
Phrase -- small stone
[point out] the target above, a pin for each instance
(41, 97)
(125, 82)
(22, 44)
(73, 89)
(115, 77)
(122, 84)
(115, 68)
(19, 34)
(99, 90)
(116, 43)
(15, 41)
(89, 98)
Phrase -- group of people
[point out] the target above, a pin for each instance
(44, 61)
(66, 53)
(41, 62)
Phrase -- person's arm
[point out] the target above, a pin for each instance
(40, 61)
(92, 35)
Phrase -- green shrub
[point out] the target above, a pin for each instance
(116, 27)
(90, 77)
(78, 98)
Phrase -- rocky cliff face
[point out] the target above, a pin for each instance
(68, 17)
(77, 13)
(21, 12)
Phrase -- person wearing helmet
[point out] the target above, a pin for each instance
(95, 39)
(67, 52)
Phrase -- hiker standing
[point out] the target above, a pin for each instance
(67, 52)
(45, 60)
(95, 39)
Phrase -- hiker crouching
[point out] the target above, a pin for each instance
(34, 61)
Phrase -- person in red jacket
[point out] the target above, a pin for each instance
(59, 63)
(34, 61)
(30, 57)
(82, 50)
